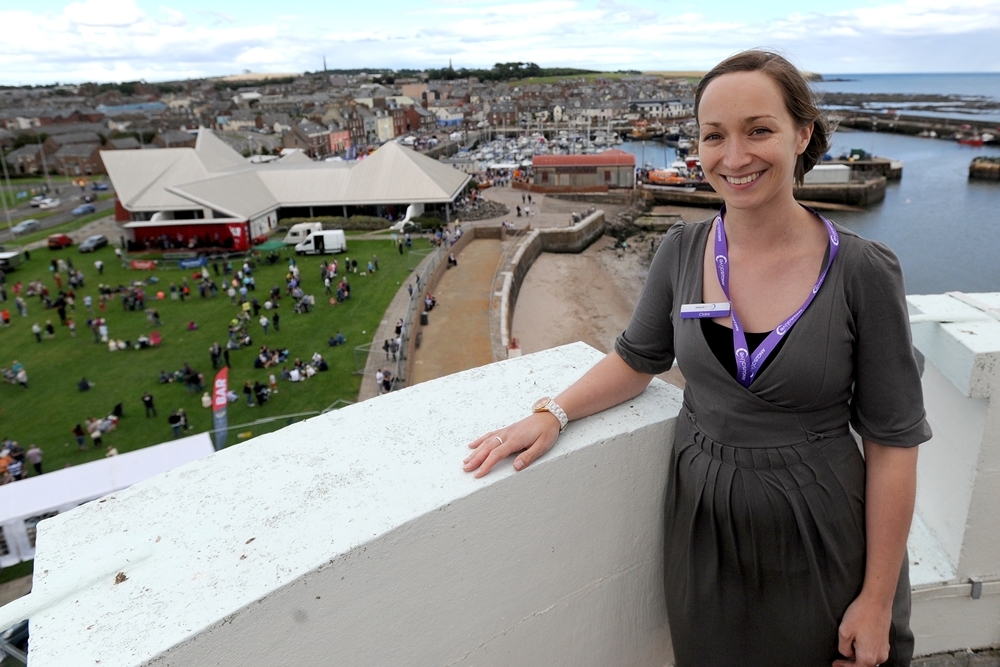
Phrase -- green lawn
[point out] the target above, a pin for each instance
(47, 411)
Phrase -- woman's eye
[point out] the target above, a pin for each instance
(711, 137)
(761, 130)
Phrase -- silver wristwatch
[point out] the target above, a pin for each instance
(546, 404)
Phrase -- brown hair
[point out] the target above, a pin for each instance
(798, 99)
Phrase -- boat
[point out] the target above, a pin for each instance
(974, 140)
(641, 131)
(666, 177)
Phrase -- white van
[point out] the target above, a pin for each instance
(318, 243)
(299, 232)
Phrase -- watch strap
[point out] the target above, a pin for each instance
(558, 413)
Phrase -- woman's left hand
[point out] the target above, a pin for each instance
(864, 633)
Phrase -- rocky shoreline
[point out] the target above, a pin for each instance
(911, 102)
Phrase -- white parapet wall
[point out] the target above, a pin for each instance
(355, 538)
(955, 542)
(24, 504)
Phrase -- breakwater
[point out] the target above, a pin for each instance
(943, 128)
(985, 168)
(876, 166)
(834, 196)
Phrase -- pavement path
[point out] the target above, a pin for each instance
(457, 336)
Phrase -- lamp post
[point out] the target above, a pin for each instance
(45, 167)
(3, 198)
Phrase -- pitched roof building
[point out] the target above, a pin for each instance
(187, 189)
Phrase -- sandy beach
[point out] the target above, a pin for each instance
(587, 297)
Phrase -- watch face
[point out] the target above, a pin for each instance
(540, 404)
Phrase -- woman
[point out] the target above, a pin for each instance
(783, 545)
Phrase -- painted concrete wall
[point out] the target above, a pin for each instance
(958, 484)
(355, 538)
(948, 463)
(573, 239)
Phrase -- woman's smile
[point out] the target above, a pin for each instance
(744, 180)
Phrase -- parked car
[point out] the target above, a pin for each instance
(92, 243)
(59, 241)
(37, 199)
(99, 186)
(26, 226)
(50, 203)
(83, 209)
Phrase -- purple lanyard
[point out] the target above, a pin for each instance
(746, 372)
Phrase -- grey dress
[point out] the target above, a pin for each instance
(764, 523)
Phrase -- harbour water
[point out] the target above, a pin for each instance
(944, 228)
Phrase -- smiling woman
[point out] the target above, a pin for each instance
(783, 546)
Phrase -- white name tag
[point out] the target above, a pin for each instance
(694, 310)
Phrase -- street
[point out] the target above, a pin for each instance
(70, 199)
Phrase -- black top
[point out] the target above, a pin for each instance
(720, 339)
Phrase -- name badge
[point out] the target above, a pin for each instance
(697, 310)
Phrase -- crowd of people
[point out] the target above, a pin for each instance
(62, 293)
(14, 460)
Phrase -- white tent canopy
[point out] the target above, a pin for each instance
(214, 176)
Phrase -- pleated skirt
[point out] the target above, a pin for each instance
(764, 551)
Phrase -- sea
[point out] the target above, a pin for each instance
(963, 86)
(944, 228)
(981, 84)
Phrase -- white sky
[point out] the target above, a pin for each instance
(115, 40)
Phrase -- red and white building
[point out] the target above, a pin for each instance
(209, 198)
(598, 172)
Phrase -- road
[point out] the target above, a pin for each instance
(62, 215)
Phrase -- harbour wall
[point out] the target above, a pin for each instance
(946, 128)
(860, 194)
(573, 239)
(985, 169)
(879, 166)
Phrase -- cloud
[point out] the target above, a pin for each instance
(172, 17)
(114, 39)
(103, 13)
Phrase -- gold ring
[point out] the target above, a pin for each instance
(498, 439)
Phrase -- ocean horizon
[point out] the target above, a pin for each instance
(965, 84)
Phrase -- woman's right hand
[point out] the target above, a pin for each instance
(532, 436)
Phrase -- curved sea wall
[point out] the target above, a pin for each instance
(573, 239)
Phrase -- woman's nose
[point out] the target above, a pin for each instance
(736, 153)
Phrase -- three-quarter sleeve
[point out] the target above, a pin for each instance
(887, 406)
(647, 345)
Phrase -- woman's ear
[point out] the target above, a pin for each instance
(805, 135)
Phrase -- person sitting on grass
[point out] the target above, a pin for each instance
(319, 363)
(337, 339)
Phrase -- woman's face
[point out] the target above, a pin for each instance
(748, 141)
